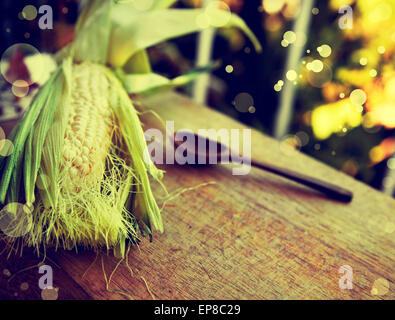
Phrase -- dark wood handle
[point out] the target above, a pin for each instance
(333, 191)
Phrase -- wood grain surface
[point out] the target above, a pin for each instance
(238, 237)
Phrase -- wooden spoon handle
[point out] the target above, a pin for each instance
(331, 190)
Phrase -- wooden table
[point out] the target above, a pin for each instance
(244, 237)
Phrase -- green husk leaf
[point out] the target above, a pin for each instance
(134, 138)
(39, 136)
(93, 32)
(149, 83)
(48, 176)
(157, 4)
(162, 4)
(139, 63)
(130, 33)
(13, 167)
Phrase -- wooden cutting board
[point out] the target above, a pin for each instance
(236, 237)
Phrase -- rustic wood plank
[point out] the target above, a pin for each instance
(250, 237)
(19, 278)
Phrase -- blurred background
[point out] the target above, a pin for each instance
(325, 82)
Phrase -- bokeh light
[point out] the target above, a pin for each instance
(380, 287)
(29, 12)
(15, 219)
(20, 52)
(6, 148)
(325, 51)
(243, 101)
(20, 88)
(291, 75)
(50, 293)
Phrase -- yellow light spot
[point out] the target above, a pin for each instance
(308, 51)
(6, 148)
(342, 95)
(273, 6)
(251, 109)
(284, 43)
(277, 87)
(290, 36)
(373, 73)
(292, 75)
(325, 51)
(381, 50)
(317, 66)
(20, 88)
(359, 108)
(332, 118)
(29, 12)
(229, 68)
(280, 82)
(315, 11)
(380, 287)
(358, 97)
(363, 61)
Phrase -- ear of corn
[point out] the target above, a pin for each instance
(80, 160)
(92, 156)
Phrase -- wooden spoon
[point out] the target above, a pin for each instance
(331, 190)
